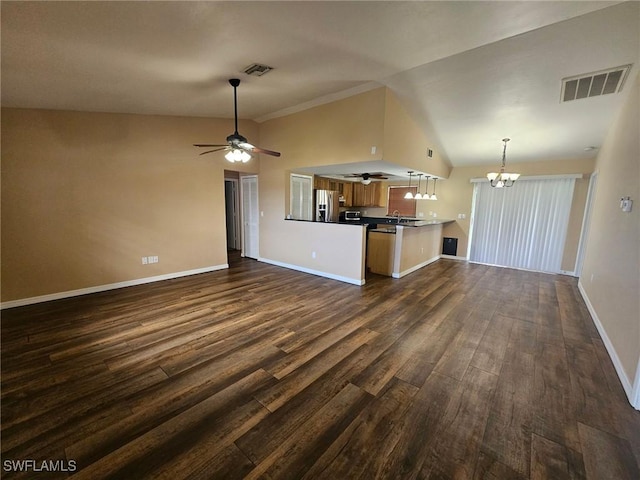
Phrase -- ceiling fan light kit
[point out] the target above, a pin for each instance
(237, 155)
(501, 179)
(237, 147)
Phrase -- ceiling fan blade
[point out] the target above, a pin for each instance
(215, 150)
(208, 145)
(265, 151)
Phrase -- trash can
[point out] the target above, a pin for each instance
(450, 246)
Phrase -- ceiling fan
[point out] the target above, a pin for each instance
(366, 177)
(237, 147)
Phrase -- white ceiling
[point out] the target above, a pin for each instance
(471, 73)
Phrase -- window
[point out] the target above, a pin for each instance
(301, 203)
(406, 207)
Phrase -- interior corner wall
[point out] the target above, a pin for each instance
(86, 195)
(610, 279)
(406, 144)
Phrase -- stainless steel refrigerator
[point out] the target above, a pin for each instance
(327, 205)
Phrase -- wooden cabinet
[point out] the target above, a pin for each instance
(367, 195)
(381, 253)
(321, 183)
(344, 187)
(347, 193)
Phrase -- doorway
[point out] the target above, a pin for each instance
(232, 211)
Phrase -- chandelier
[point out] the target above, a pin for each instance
(503, 179)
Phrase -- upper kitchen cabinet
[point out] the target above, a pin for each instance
(368, 195)
(321, 183)
(344, 187)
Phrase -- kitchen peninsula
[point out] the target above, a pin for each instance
(383, 245)
(399, 248)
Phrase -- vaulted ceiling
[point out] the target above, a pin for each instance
(470, 73)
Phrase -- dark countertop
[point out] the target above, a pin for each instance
(404, 222)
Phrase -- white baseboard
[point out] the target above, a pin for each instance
(454, 257)
(111, 286)
(416, 267)
(353, 281)
(632, 390)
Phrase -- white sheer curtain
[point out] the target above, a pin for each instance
(524, 226)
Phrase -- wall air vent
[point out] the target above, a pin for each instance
(594, 84)
(257, 70)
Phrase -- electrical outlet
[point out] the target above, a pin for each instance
(420, 214)
(145, 260)
(313, 254)
(153, 259)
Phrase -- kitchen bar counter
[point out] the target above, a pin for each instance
(387, 221)
(390, 248)
(407, 249)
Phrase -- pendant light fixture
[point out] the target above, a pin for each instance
(418, 195)
(433, 196)
(503, 179)
(409, 195)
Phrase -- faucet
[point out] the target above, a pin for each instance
(396, 212)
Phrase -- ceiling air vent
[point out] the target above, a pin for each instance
(257, 69)
(594, 84)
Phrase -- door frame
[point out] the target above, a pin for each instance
(237, 213)
(244, 206)
(586, 224)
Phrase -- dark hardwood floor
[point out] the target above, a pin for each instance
(455, 371)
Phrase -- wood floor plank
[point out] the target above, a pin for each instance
(299, 452)
(607, 456)
(412, 342)
(289, 386)
(459, 438)
(458, 370)
(493, 345)
(488, 468)
(415, 435)
(458, 353)
(552, 460)
(349, 455)
(507, 435)
(554, 415)
(186, 433)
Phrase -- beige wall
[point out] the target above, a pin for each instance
(340, 132)
(86, 195)
(406, 144)
(415, 247)
(611, 272)
(455, 196)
